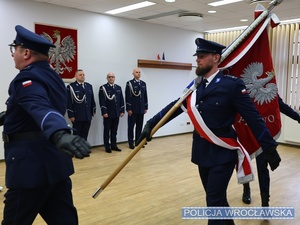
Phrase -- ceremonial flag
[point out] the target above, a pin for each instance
(158, 57)
(251, 61)
(163, 56)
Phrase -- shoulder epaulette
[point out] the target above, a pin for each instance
(231, 77)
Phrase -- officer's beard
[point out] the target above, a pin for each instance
(201, 71)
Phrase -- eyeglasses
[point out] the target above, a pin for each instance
(13, 47)
(110, 77)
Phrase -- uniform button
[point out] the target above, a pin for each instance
(13, 158)
(200, 112)
(201, 102)
(217, 103)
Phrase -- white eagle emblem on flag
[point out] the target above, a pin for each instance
(259, 89)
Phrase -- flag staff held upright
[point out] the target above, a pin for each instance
(249, 29)
(189, 89)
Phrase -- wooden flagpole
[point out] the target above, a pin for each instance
(143, 142)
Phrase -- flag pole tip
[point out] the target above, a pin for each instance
(97, 192)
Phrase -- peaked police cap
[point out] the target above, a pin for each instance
(208, 46)
(31, 40)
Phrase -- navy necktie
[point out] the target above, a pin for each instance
(202, 87)
(204, 82)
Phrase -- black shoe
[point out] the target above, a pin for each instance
(265, 197)
(246, 196)
(131, 146)
(108, 150)
(229, 222)
(116, 149)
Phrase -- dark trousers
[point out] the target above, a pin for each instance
(110, 132)
(53, 202)
(82, 128)
(263, 174)
(137, 121)
(215, 182)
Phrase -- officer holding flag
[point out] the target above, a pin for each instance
(213, 108)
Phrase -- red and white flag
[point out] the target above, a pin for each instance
(251, 61)
(27, 83)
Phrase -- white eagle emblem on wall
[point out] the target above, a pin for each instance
(259, 89)
(64, 52)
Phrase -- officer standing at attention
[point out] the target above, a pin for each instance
(81, 104)
(37, 141)
(136, 106)
(112, 108)
(215, 105)
(2, 116)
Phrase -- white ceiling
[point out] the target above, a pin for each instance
(226, 16)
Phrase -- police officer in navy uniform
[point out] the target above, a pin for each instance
(262, 165)
(218, 102)
(2, 117)
(81, 104)
(112, 108)
(136, 106)
(37, 140)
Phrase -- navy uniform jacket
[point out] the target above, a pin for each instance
(111, 100)
(136, 96)
(37, 102)
(287, 110)
(79, 107)
(218, 105)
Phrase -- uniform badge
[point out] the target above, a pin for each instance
(27, 83)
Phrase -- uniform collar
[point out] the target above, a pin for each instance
(211, 78)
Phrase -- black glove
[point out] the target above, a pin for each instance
(71, 145)
(272, 158)
(145, 133)
(2, 118)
